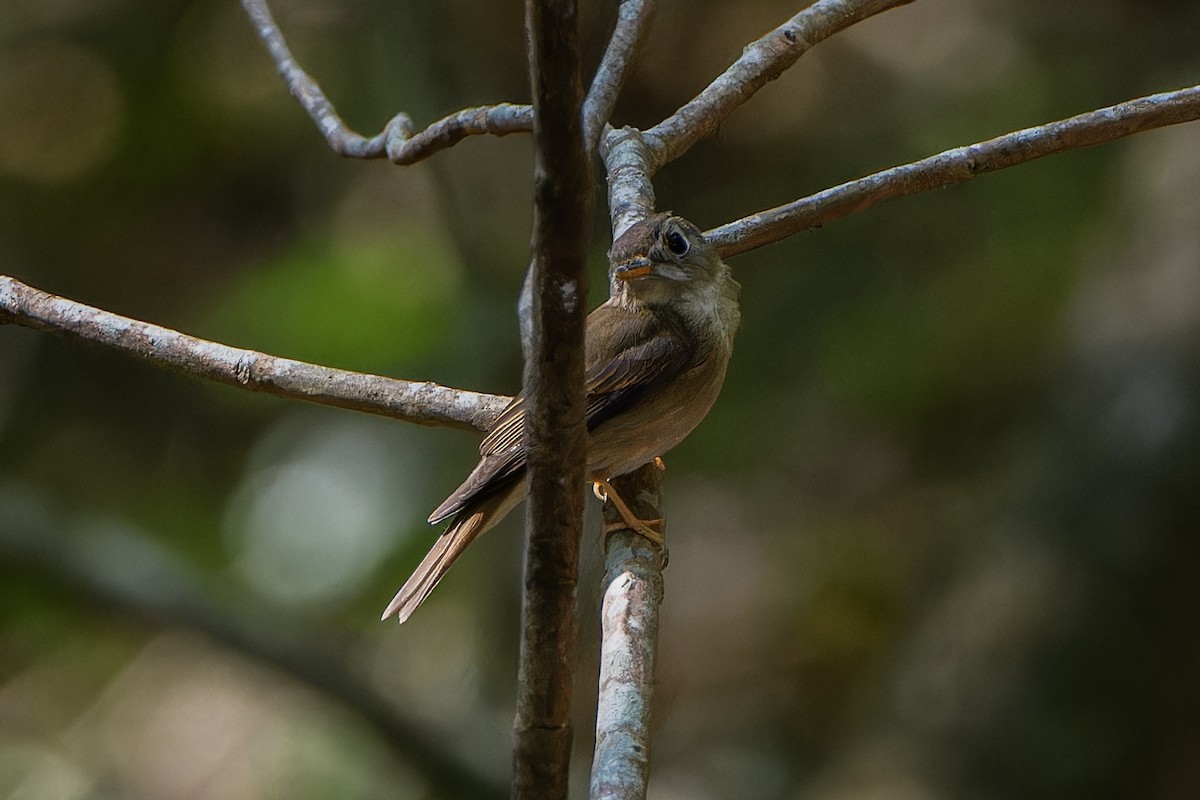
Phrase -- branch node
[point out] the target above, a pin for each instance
(404, 147)
(628, 159)
(243, 368)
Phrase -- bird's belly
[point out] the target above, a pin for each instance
(656, 424)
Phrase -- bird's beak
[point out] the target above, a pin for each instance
(632, 269)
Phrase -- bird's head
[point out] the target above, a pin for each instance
(662, 257)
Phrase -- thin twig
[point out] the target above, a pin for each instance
(633, 21)
(137, 579)
(422, 403)
(761, 61)
(498, 120)
(629, 620)
(341, 138)
(397, 140)
(554, 418)
(958, 165)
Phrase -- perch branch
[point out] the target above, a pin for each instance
(397, 140)
(629, 611)
(958, 165)
(633, 21)
(135, 578)
(554, 418)
(422, 403)
(762, 61)
(629, 620)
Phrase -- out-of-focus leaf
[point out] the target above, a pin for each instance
(362, 305)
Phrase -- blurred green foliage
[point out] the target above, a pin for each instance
(401, 290)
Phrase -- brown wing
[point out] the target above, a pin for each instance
(502, 460)
(649, 351)
(620, 368)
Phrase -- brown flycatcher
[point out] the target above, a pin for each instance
(656, 353)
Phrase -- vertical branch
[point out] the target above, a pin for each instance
(628, 162)
(633, 569)
(629, 618)
(633, 21)
(554, 421)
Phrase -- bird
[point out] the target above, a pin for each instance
(655, 358)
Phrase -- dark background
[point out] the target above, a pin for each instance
(937, 539)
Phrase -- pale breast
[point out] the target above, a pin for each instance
(658, 422)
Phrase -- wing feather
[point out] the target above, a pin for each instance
(619, 370)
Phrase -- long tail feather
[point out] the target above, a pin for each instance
(466, 526)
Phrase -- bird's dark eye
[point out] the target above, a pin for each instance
(677, 243)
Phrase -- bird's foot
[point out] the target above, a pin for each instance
(655, 530)
(660, 464)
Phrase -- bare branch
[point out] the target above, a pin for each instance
(762, 61)
(629, 619)
(422, 403)
(630, 192)
(397, 140)
(341, 138)
(134, 578)
(554, 419)
(633, 21)
(958, 165)
(498, 120)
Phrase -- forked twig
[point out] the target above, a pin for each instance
(633, 21)
(627, 163)
(397, 140)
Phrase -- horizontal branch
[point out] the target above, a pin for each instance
(498, 120)
(957, 165)
(762, 61)
(396, 141)
(422, 403)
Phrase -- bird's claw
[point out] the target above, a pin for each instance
(654, 530)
